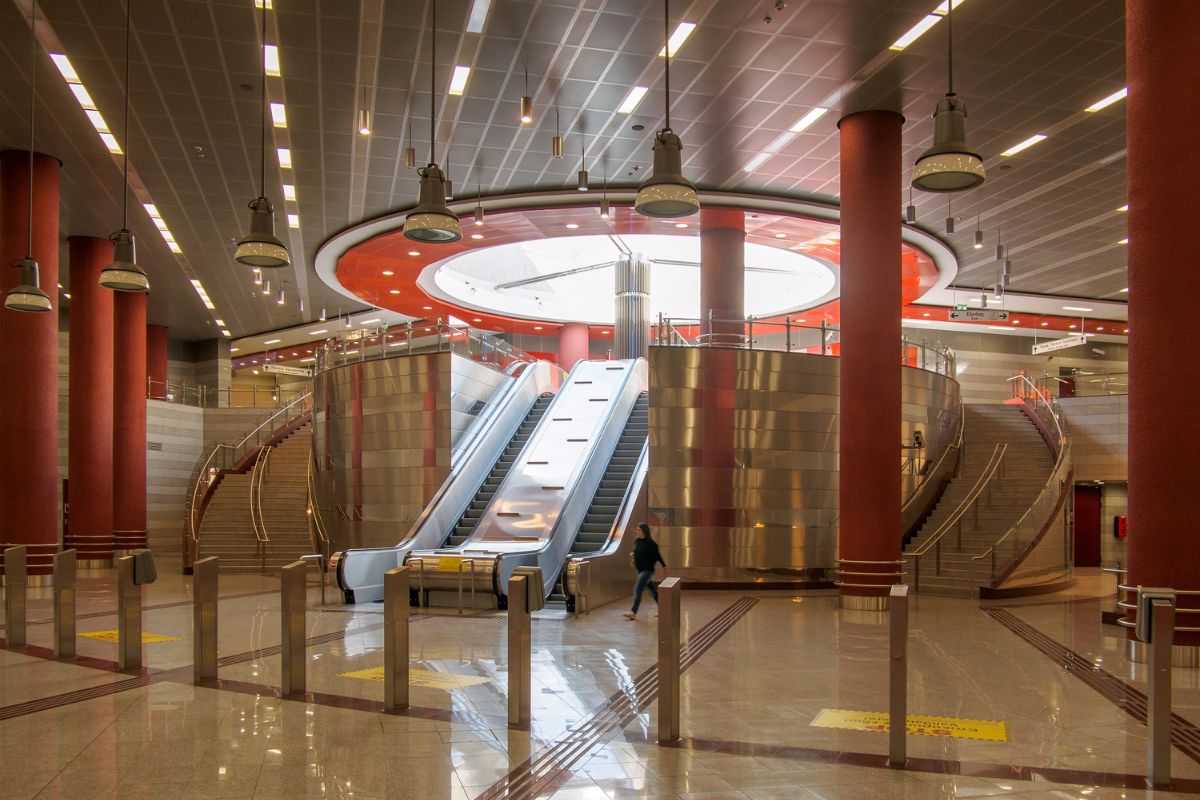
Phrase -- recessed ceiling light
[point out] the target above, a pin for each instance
(478, 15)
(427, 308)
(1124, 241)
(289, 192)
(476, 235)
(273, 341)
(682, 31)
(293, 220)
(458, 81)
(285, 157)
(65, 68)
(1077, 308)
(915, 32)
(271, 59)
(808, 119)
(1016, 322)
(681, 224)
(388, 273)
(414, 252)
(1099, 327)
(632, 99)
(1127, 330)
(369, 321)
(604, 331)
(1108, 101)
(477, 319)
(1126, 289)
(1124, 207)
(926, 314)
(572, 226)
(1072, 325)
(537, 327)
(279, 115)
(1019, 146)
(393, 291)
(317, 333)
(781, 236)
(1044, 324)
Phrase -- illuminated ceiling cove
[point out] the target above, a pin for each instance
(571, 278)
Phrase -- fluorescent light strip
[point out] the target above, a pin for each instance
(458, 81)
(1077, 308)
(172, 245)
(293, 220)
(279, 115)
(289, 192)
(259, 4)
(1124, 207)
(226, 333)
(81, 94)
(199, 287)
(1100, 105)
(318, 333)
(369, 321)
(632, 99)
(97, 120)
(784, 138)
(1030, 142)
(915, 32)
(682, 31)
(272, 341)
(478, 15)
(67, 70)
(271, 60)
(808, 119)
(285, 157)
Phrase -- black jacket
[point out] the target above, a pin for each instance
(646, 555)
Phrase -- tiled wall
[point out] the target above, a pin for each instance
(1099, 429)
(1114, 501)
(174, 444)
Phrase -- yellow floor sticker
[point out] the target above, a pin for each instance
(112, 636)
(984, 729)
(425, 678)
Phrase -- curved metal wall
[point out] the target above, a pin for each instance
(383, 433)
(743, 481)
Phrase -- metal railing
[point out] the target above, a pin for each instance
(791, 334)
(897, 572)
(934, 542)
(257, 476)
(1044, 408)
(1081, 383)
(243, 396)
(955, 446)
(1126, 605)
(427, 337)
(223, 456)
(316, 520)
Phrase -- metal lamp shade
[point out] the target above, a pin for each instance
(526, 109)
(261, 248)
(410, 157)
(432, 220)
(123, 274)
(949, 165)
(27, 295)
(582, 184)
(666, 193)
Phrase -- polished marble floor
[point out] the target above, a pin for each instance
(759, 668)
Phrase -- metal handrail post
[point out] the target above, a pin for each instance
(519, 678)
(204, 619)
(750, 332)
(787, 323)
(823, 327)
(129, 617)
(293, 587)
(16, 581)
(898, 676)
(395, 638)
(1158, 705)
(668, 661)
(64, 604)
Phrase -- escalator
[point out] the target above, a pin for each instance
(483, 498)
(602, 513)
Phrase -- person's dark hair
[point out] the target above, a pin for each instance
(644, 528)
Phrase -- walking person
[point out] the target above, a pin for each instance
(645, 557)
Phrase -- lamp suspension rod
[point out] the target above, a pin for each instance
(262, 113)
(950, 42)
(32, 105)
(432, 70)
(667, 60)
(125, 191)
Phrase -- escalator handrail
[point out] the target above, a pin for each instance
(640, 467)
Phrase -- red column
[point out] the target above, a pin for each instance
(156, 361)
(1164, 430)
(572, 344)
(129, 422)
(722, 272)
(869, 438)
(29, 363)
(89, 527)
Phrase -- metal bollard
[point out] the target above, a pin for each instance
(1158, 745)
(64, 604)
(204, 619)
(395, 638)
(519, 678)
(668, 660)
(15, 582)
(293, 588)
(898, 677)
(129, 617)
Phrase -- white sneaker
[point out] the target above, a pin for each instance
(630, 615)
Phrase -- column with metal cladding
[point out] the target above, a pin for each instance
(631, 337)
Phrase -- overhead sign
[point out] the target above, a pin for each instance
(1059, 344)
(283, 369)
(978, 315)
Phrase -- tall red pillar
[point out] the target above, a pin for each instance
(722, 274)
(29, 363)
(156, 361)
(129, 421)
(1164, 430)
(869, 428)
(572, 344)
(89, 527)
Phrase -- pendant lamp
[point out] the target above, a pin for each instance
(27, 295)
(666, 194)
(949, 165)
(123, 274)
(526, 102)
(261, 247)
(432, 220)
(582, 183)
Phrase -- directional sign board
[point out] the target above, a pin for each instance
(286, 370)
(978, 315)
(1059, 344)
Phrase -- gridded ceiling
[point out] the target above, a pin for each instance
(737, 84)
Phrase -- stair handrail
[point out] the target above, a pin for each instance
(209, 470)
(257, 476)
(955, 445)
(316, 519)
(934, 542)
(1026, 390)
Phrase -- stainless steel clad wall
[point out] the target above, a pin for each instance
(743, 481)
(383, 435)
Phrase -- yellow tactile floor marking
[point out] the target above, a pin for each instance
(421, 677)
(984, 729)
(112, 636)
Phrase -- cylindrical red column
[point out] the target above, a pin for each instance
(89, 523)
(1164, 430)
(869, 437)
(722, 274)
(129, 422)
(572, 344)
(156, 361)
(29, 363)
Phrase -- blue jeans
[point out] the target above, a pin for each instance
(645, 580)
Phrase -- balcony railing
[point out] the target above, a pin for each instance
(431, 337)
(247, 396)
